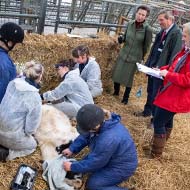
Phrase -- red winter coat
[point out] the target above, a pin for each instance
(176, 97)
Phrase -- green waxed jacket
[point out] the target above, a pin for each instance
(137, 44)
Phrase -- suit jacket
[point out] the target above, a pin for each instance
(163, 52)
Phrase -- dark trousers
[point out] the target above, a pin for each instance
(106, 179)
(162, 119)
(126, 93)
(154, 84)
(116, 88)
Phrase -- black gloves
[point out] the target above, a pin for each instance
(120, 39)
(41, 95)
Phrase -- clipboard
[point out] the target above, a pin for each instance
(148, 71)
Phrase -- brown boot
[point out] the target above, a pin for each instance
(168, 133)
(159, 142)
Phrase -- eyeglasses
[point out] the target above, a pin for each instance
(58, 68)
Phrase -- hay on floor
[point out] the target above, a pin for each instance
(170, 173)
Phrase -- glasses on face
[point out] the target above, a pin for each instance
(58, 69)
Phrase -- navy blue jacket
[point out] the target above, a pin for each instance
(7, 71)
(112, 148)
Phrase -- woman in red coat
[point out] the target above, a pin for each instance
(174, 96)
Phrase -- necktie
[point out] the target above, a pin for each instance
(163, 35)
(181, 62)
(178, 66)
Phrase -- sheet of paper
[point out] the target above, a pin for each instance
(74, 36)
(148, 71)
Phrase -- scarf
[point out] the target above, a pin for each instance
(177, 68)
(32, 82)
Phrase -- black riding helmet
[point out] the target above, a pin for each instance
(11, 32)
(88, 117)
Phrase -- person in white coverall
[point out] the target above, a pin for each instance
(20, 114)
(89, 69)
(72, 93)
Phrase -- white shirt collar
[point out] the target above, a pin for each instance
(168, 29)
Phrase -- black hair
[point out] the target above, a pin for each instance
(66, 63)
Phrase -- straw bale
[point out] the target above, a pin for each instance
(170, 173)
(50, 49)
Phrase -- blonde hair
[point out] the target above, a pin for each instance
(187, 26)
(33, 70)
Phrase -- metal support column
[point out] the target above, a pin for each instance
(21, 20)
(41, 22)
(57, 17)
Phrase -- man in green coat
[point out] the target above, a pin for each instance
(137, 40)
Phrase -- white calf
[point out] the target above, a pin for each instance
(55, 129)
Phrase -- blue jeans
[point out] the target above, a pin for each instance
(162, 119)
(106, 179)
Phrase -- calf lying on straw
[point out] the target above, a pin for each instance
(55, 129)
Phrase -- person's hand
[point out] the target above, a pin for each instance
(120, 39)
(163, 73)
(67, 152)
(156, 69)
(67, 166)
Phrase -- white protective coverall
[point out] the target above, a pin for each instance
(74, 92)
(92, 76)
(20, 115)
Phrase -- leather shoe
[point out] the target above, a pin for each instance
(115, 94)
(125, 102)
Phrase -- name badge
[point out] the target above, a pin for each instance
(160, 50)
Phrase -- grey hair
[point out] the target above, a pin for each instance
(33, 70)
(187, 25)
(167, 14)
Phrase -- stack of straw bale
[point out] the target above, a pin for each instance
(172, 172)
(49, 49)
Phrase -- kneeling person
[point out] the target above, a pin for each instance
(72, 93)
(20, 113)
(89, 69)
(112, 158)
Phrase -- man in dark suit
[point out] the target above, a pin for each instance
(167, 43)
